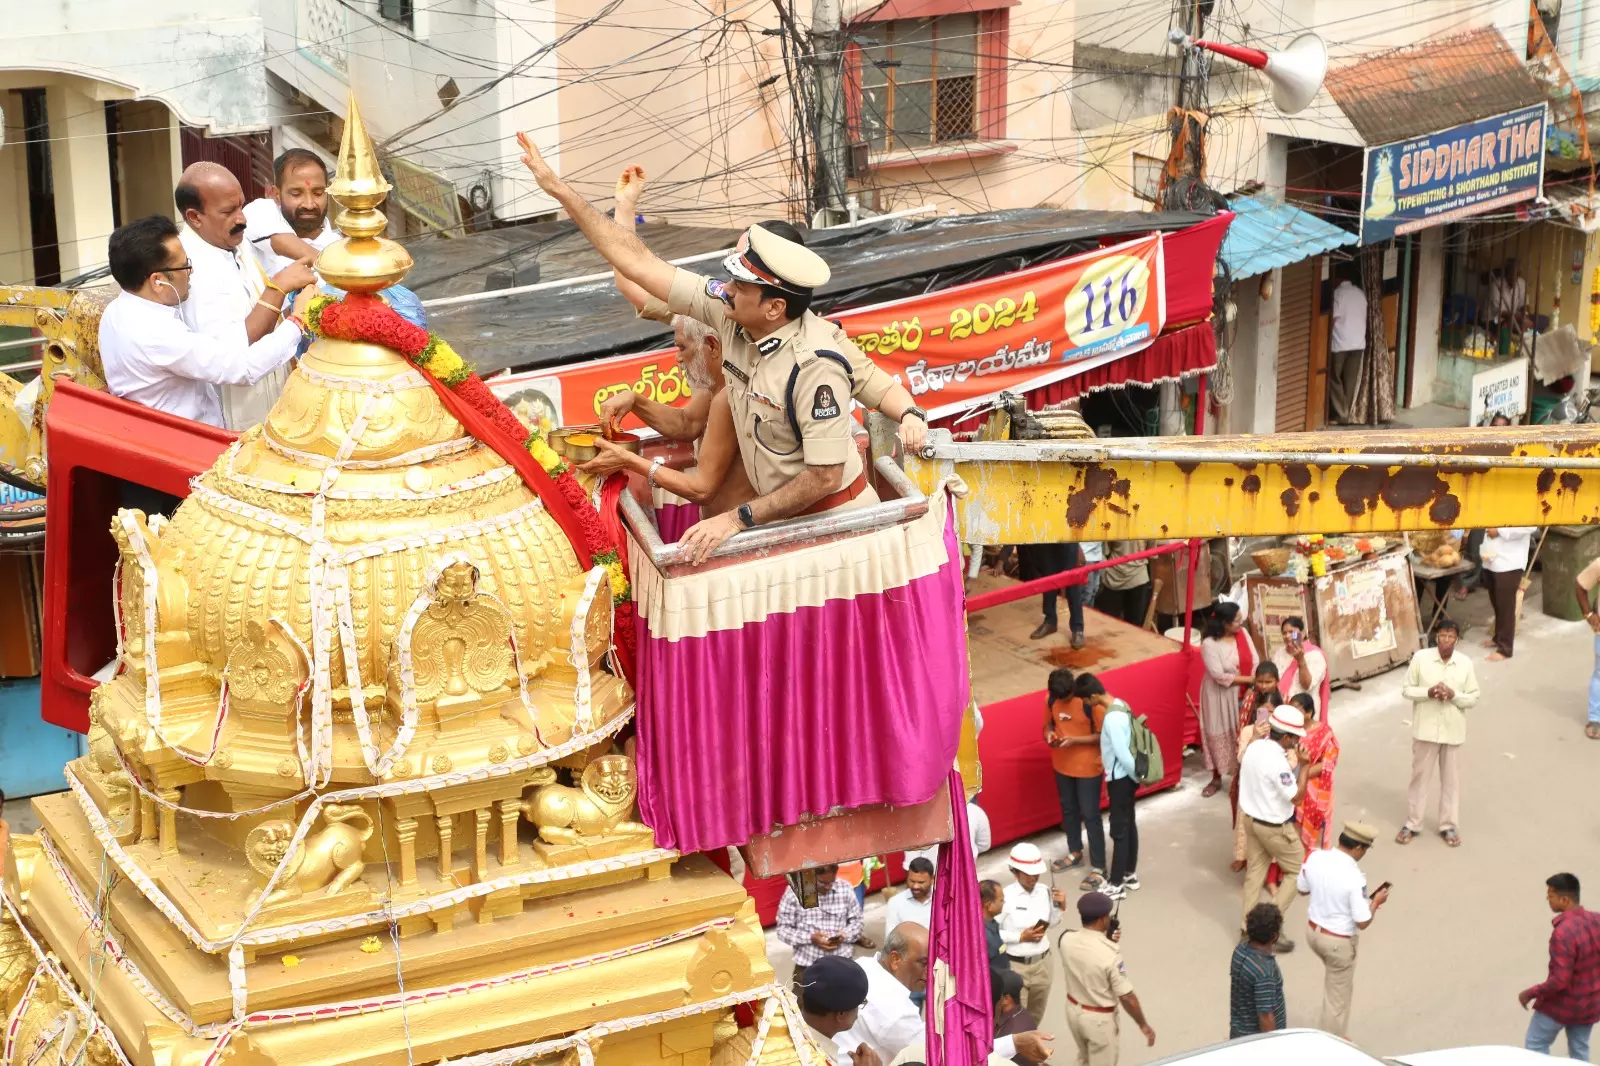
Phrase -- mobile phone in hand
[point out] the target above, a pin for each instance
(1041, 925)
(1381, 888)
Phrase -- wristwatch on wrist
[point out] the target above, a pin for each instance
(747, 517)
(655, 464)
(919, 412)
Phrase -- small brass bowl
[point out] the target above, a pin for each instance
(577, 443)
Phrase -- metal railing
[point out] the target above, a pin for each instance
(908, 505)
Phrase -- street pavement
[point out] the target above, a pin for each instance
(1464, 929)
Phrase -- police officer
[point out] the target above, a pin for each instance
(788, 383)
(1097, 981)
(831, 994)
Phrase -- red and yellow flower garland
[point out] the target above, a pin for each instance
(365, 318)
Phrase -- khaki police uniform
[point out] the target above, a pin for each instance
(1096, 981)
(789, 392)
(869, 381)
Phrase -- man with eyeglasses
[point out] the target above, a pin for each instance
(151, 355)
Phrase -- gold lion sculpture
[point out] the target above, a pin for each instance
(329, 860)
(600, 808)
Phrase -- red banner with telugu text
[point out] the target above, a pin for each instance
(1017, 331)
(951, 348)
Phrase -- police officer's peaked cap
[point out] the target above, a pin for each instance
(834, 984)
(1360, 832)
(768, 259)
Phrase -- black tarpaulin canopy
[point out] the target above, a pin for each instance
(589, 320)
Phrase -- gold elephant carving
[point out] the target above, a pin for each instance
(602, 807)
(329, 860)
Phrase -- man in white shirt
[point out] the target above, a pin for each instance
(1338, 910)
(1504, 554)
(1346, 347)
(291, 221)
(230, 296)
(1029, 910)
(979, 833)
(915, 904)
(1269, 788)
(151, 356)
(889, 1021)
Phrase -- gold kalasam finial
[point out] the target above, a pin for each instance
(364, 261)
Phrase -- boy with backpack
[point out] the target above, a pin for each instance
(1132, 758)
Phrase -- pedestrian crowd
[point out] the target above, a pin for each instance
(1266, 736)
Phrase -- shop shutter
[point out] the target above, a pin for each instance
(1294, 346)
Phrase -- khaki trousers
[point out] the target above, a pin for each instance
(1036, 977)
(1424, 754)
(1338, 955)
(1263, 846)
(1096, 1035)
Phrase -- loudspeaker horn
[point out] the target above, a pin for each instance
(1296, 73)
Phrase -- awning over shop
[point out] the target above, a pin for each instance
(1268, 233)
(1173, 357)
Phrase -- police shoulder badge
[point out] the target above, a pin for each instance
(770, 345)
(1286, 777)
(824, 404)
(716, 289)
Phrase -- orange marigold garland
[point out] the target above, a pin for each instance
(358, 317)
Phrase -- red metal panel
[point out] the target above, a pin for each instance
(97, 440)
(877, 830)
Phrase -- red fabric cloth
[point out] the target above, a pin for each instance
(1174, 355)
(1191, 261)
(1570, 994)
(1018, 782)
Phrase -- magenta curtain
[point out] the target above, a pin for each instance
(957, 940)
(855, 702)
(674, 519)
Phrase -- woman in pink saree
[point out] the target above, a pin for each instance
(1315, 811)
(1302, 667)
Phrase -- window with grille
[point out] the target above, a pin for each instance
(397, 11)
(919, 81)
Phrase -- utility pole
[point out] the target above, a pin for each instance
(1186, 157)
(827, 194)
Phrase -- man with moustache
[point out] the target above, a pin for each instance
(291, 221)
(228, 287)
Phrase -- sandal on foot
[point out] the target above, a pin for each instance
(1071, 862)
(1212, 789)
(1406, 835)
(1592, 730)
(1450, 837)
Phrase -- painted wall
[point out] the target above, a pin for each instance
(202, 60)
(16, 232)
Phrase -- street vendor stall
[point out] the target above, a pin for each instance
(1355, 594)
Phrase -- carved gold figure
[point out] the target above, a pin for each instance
(601, 807)
(329, 861)
(353, 663)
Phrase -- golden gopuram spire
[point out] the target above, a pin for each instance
(365, 260)
(362, 791)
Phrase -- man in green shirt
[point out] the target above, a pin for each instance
(1441, 685)
(1255, 1002)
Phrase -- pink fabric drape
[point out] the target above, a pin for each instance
(674, 519)
(956, 939)
(855, 702)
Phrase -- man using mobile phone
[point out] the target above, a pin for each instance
(1030, 908)
(1338, 910)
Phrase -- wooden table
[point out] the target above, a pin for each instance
(1437, 580)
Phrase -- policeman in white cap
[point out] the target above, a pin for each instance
(1269, 789)
(1031, 908)
(789, 385)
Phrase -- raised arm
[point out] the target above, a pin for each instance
(629, 186)
(623, 250)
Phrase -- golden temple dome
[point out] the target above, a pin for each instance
(324, 551)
